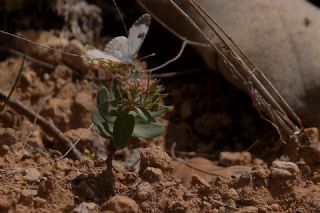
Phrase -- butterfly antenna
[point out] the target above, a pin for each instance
(147, 56)
(122, 20)
(35, 43)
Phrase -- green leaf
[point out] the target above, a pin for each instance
(122, 130)
(101, 124)
(103, 100)
(146, 130)
(114, 90)
(161, 111)
(145, 114)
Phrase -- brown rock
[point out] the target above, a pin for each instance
(284, 169)
(154, 157)
(39, 202)
(200, 183)
(31, 175)
(276, 39)
(152, 174)
(121, 204)
(235, 158)
(86, 208)
(144, 191)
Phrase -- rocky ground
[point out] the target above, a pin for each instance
(217, 154)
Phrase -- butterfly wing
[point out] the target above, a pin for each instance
(118, 48)
(137, 34)
(97, 55)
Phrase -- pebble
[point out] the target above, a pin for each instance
(154, 157)
(284, 169)
(32, 175)
(86, 208)
(203, 185)
(145, 191)
(235, 158)
(39, 202)
(152, 174)
(121, 204)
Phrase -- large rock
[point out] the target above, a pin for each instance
(281, 37)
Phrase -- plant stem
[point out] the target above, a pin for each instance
(109, 174)
(111, 151)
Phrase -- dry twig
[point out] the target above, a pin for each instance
(49, 127)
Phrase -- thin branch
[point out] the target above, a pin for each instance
(41, 45)
(185, 42)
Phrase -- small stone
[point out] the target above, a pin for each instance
(235, 158)
(32, 175)
(86, 208)
(152, 174)
(154, 157)
(121, 204)
(233, 194)
(202, 185)
(260, 172)
(39, 202)
(145, 191)
(176, 207)
(284, 169)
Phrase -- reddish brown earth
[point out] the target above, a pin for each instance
(217, 154)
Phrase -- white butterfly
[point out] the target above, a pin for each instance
(122, 50)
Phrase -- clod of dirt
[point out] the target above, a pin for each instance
(176, 206)
(154, 157)
(199, 183)
(5, 202)
(152, 174)
(26, 197)
(145, 191)
(121, 204)
(235, 158)
(86, 208)
(31, 175)
(59, 111)
(81, 109)
(39, 202)
(283, 169)
(8, 136)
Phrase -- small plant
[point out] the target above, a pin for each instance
(128, 108)
(131, 104)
